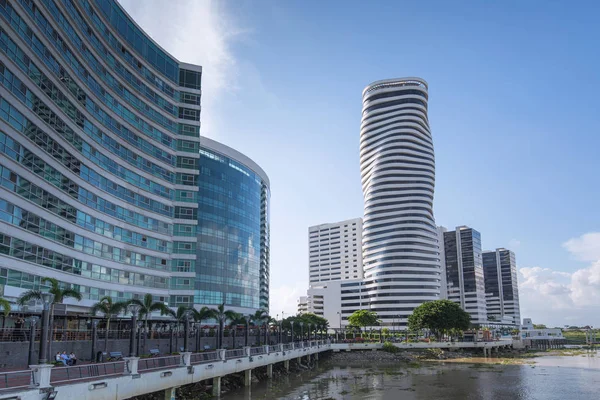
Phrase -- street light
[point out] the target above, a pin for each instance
(301, 330)
(32, 322)
(292, 324)
(133, 349)
(47, 299)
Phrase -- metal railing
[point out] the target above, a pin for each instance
(254, 351)
(287, 346)
(237, 353)
(199, 358)
(146, 364)
(16, 379)
(275, 348)
(88, 371)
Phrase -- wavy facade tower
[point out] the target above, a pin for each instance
(401, 256)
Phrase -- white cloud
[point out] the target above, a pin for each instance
(285, 298)
(586, 247)
(556, 296)
(513, 244)
(196, 32)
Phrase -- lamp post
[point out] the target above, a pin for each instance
(281, 332)
(32, 321)
(47, 299)
(133, 349)
(171, 333)
(301, 323)
(94, 339)
(186, 332)
(292, 324)
(309, 331)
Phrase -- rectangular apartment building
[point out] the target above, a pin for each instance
(464, 272)
(335, 251)
(501, 287)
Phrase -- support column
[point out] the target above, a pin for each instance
(247, 377)
(41, 375)
(131, 365)
(316, 355)
(186, 359)
(286, 365)
(270, 370)
(170, 394)
(216, 389)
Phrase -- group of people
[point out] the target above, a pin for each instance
(66, 359)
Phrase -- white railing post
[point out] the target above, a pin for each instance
(131, 365)
(247, 350)
(186, 359)
(266, 348)
(41, 375)
(221, 353)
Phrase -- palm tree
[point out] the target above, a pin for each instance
(222, 315)
(259, 318)
(238, 319)
(109, 309)
(180, 314)
(5, 305)
(147, 306)
(59, 293)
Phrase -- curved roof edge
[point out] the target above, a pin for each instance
(236, 155)
(407, 78)
(185, 65)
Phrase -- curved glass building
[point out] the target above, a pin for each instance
(99, 154)
(232, 264)
(401, 256)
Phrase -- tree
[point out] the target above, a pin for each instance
(60, 294)
(363, 318)
(258, 318)
(107, 307)
(385, 332)
(238, 319)
(5, 306)
(539, 326)
(147, 306)
(222, 315)
(440, 317)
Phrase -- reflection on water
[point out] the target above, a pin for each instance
(551, 378)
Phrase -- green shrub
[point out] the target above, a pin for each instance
(390, 348)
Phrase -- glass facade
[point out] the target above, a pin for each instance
(99, 162)
(233, 231)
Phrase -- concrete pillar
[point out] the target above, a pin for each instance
(266, 347)
(216, 389)
(270, 370)
(41, 375)
(286, 365)
(316, 355)
(247, 351)
(131, 365)
(186, 359)
(170, 394)
(247, 377)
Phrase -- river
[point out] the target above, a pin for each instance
(550, 378)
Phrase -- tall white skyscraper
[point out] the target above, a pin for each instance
(335, 251)
(400, 240)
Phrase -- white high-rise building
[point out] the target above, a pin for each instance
(401, 255)
(335, 251)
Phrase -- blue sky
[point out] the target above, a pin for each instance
(513, 110)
